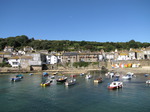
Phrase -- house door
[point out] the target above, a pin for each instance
(145, 56)
(136, 55)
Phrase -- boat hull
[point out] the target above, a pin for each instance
(115, 85)
(15, 79)
(97, 81)
(61, 80)
(47, 84)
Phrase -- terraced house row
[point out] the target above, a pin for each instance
(31, 59)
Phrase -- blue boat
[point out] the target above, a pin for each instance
(116, 79)
(146, 75)
(15, 79)
(19, 76)
(30, 73)
(45, 74)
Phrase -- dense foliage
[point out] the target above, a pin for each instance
(81, 64)
(65, 45)
(4, 64)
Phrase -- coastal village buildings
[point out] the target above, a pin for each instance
(28, 59)
(123, 56)
(88, 57)
(25, 61)
(27, 49)
(37, 61)
(14, 61)
(8, 49)
(146, 52)
(109, 56)
(51, 59)
(69, 57)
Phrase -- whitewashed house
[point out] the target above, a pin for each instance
(146, 52)
(51, 59)
(123, 56)
(14, 61)
(8, 49)
(100, 57)
(110, 56)
(28, 49)
(21, 52)
(140, 54)
(132, 55)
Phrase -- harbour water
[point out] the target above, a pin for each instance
(86, 96)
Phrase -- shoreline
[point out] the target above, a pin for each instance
(142, 70)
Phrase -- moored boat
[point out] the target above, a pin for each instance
(70, 82)
(15, 79)
(146, 75)
(61, 79)
(117, 75)
(115, 85)
(88, 76)
(45, 74)
(81, 74)
(19, 76)
(127, 77)
(98, 80)
(47, 83)
(111, 74)
(30, 73)
(55, 73)
(51, 77)
(148, 82)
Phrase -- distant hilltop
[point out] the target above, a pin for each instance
(19, 42)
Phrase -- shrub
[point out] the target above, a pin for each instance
(4, 64)
(81, 64)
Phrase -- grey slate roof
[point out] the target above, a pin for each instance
(70, 54)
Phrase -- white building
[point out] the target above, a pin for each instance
(146, 52)
(14, 61)
(123, 56)
(110, 56)
(51, 59)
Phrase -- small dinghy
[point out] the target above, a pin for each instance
(70, 82)
(61, 79)
(98, 80)
(47, 83)
(88, 76)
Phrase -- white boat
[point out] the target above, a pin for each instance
(111, 74)
(131, 74)
(117, 75)
(148, 82)
(127, 77)
(70, 82)
(81, 74)
(115, 85)
(88, 76)
(51, 77)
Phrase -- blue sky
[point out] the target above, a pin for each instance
(88, 20)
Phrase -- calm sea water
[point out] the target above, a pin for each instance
(86, 96)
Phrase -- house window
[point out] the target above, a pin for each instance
(15, 63)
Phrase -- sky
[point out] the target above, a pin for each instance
(76, 20)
